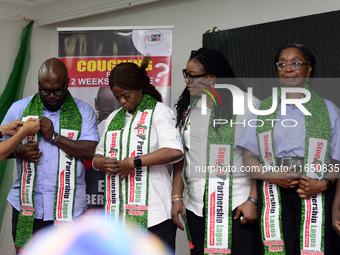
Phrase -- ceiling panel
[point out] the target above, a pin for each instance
(27, 2)
(46, 12)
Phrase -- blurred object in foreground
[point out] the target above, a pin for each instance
(93, 234)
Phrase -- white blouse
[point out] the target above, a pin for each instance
(163, 135)
(196, 142)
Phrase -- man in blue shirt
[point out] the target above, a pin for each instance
(59, 135)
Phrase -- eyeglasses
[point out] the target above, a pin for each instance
(192, 77)
(56, 92)
(295, 65)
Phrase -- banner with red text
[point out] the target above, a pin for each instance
(91, 53)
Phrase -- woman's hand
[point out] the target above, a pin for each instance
(106, 164)
(177, 208)
(249, 211)
(11, 128)
(125, 167)
(309, 187)
(287, 180)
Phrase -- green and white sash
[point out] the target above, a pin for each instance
(218, 187)
(69, 126)
(318, 135)
(137, 183)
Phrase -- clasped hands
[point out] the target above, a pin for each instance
(307, 187)
(112, 166)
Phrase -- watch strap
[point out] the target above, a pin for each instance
(1, 134)
(137, 162)
(253, 200)
(329, 183)
(55, 137)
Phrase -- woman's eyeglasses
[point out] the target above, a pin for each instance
(192, 77)
(295, 65)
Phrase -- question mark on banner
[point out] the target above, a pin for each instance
(166, 70)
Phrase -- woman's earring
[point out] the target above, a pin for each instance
(307, 78)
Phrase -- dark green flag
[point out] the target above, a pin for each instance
(13, 92)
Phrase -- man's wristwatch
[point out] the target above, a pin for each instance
(137, 162)
(55, 138)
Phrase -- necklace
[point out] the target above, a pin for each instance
(288, 135)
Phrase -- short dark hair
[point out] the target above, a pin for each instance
(311, 61)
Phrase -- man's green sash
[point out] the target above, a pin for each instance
(218, 187)
(69, 126)
(137, 183)
(318, 135)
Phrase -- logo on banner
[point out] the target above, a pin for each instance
(113, 152)
(317, 159)
(141, 128)
(152, 38)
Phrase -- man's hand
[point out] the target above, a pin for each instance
(46, 127)
(31, 126)
(29, 151)
(11, 128)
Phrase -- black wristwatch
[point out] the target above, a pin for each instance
(329, 183)
(55, 138)
(0, 134)
(251, 199)
(137, 162)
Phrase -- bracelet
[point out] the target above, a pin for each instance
(176, 199)
(93, 164)
(253, 200)
(176, 196)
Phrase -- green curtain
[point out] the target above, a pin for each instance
(13, 92)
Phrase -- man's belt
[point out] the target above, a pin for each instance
(290, 161)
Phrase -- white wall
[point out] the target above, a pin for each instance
(191, 18)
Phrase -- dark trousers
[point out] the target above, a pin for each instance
(291, 220)
(166, 231)
(245, 238)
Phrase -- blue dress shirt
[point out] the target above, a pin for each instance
(290, 141)
(46, 178)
